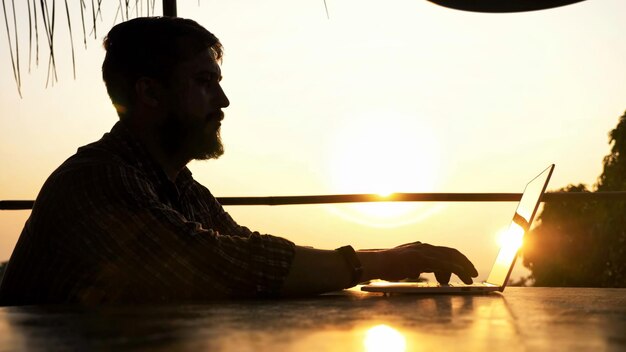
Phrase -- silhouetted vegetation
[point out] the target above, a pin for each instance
(583, 243)
(42, 20)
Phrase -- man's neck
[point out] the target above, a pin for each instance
(172, 164)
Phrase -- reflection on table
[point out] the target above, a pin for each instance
(520, 319)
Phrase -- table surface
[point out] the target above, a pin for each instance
(522, 318)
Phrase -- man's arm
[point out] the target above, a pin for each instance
(316, 271)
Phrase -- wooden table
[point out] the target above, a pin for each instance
(521, 319)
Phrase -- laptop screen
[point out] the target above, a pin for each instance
(521, 223)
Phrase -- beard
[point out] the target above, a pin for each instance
(190, 138)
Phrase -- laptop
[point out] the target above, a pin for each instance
(503, 265)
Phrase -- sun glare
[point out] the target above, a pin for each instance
(511, 238)
(385, 194)
(378, 154)
(384, 338)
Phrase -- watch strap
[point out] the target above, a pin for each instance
(354, 264)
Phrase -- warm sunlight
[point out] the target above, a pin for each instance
(511, 238)
(384, 338)
(382, 154)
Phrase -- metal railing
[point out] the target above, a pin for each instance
(395, 197)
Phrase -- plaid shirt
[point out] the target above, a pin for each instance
(109, 226)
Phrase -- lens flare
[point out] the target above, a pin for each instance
(511, 239)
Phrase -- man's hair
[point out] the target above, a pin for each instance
(150, 47)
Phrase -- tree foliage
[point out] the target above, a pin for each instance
(583, 243)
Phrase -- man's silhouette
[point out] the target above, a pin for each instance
(123, 220)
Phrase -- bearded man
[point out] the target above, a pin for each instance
(123, 220)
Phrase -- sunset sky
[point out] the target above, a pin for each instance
(401, 96)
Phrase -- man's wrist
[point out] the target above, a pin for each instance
(354, 264)
(372, 263)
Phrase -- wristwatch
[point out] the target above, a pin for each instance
(353, 262)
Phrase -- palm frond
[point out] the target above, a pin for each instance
(36, 34)
(48, 23)
(17, 46)
(45, 11)
(69, 25)
(16, 71)
(83, 6)
(94, 15)
(325, 7)
(118, 12)
(30, 36)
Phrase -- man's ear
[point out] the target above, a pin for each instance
(148, 91)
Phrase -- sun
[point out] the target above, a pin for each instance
(511, 239)
(384, 338)
(376, 154)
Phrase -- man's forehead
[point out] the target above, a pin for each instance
(208, 68)
(204, 61)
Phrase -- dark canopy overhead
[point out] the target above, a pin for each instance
(503, 5)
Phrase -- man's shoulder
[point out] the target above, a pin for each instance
(114, 149)
(96, 159)
(94, 169)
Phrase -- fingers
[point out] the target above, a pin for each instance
(457, 257)
(443, 261)
(443, 277)
(444, 268)
(411, 259)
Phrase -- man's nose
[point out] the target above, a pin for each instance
(222, 98)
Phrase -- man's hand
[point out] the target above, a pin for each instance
(316, 271)
(412, 259)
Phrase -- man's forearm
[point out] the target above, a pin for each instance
(316, 271)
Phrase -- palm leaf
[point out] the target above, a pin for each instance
(45, 11)
(15, 63)
(30, 36)
(82, 20)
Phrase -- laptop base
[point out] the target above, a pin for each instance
(425, 288)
